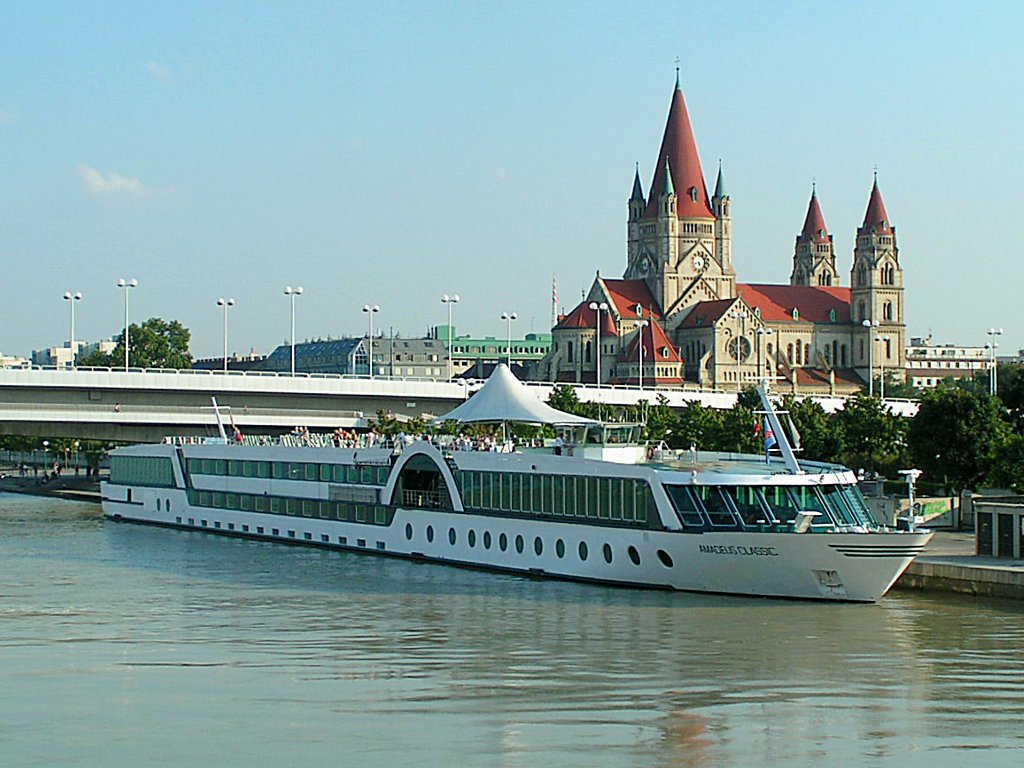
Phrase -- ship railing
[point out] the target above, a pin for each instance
(423, 499)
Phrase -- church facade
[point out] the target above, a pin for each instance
(679, 316)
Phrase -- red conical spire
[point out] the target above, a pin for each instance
(680, 149)
(814, 225)
(876, 218)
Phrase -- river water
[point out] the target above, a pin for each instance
(130, 645)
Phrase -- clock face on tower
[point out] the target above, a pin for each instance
(698, 263)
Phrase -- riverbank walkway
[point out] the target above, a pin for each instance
(948, 564)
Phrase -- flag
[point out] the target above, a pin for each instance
(769, 441)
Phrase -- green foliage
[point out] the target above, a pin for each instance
(156, 343)
(820, 438)
(956, 436)
(1008, 465)
(698, 426)
(870, 436)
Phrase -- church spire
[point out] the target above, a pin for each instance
(668, 189)
(814, 224)
(679, 148)
(875, 217)
(720, 184)
(638, 190)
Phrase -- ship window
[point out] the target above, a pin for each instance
(362, 514)
(744, 499)
(310, 471)
(560, 548)
(508, 487)
(583, 550)
(594, 499)
(537, 493)
(220, 467)
(780, 503)
(234, 468)
(295, 471)
(452, 536)
(338, 473)
(715, 506)
(382, 475)
(309, 508)
(558, 495)
(487, 539)
(853, 498)
(325, 472)
(291, 506)
(615, 498)
(607, 551)
(519, 543)
(261, 504)
(838, 505)
(353, 474)
(471, 537)
(665, 558)
(685, 505)
(366, 475)
(808, 501)
(218, 500)
(634, 556)
(246, 502)
(503, 542)
(538, 546)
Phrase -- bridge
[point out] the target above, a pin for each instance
(144, 405)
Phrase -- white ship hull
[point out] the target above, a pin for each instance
(854, 566)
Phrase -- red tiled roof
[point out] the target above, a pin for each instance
(707, 313)
(814, 224)
(627, 294)
(815, 303)
(845, 378)
(876, 217)
(657, 346)
(679, 146)
(585, 317)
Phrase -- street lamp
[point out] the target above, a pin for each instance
(869, 324)
(450, 300)
(741, 315)
(292, 293)
(508, 317)
(225, 303)
(126, 284)
(598, 309)
(369, 314)
(993, 372)
(881, 367)
(71, 298)
(641, 324)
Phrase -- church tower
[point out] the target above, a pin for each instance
(876, 296)
(814, 258)
(723, 223)
(677, 245)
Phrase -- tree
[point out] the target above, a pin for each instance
(1011, 392)
(871, 436)
(157, 343)
(1008, 465)
(955, 436)
(820, 438)
(697, 426)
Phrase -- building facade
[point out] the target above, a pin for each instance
(928, 364)
(679, 316)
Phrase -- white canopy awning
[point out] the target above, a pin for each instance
(505, 398)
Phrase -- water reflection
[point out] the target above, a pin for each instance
(282, 645)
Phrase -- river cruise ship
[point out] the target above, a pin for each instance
(596, 505)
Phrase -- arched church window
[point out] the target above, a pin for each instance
(799, 357)
(693, 194)
(887, 310)
(860, 350)
(843, 355)
(568, 350)
(789, 353)
(807, 354)
(831, 315)
(835, 350)
(586, 352)
(770, 349)
(861, 311)
(796, 313)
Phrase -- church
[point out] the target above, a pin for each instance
(678, 317)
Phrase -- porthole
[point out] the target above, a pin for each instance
(519, 543)
(167, 505)
(503, 542)
(158, 505)
(487, 539)
(538, 546)
(560, 548)
(665, 558)
(583, 550)
(633, 555)
(451, 536)
(408, 531)
(472, 538)
(430, 533)
(607, 549)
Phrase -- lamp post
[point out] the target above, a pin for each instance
(869, 324)
(641, 324)
(450, 300)
(598, 309)
(370, 311)
(740, 315)
(292, 293)
(993, 372)
(225, 303)
(508, 317)
(881, 367)
(71, 298)
(127, 285)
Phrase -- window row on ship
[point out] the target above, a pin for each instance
(363, 474)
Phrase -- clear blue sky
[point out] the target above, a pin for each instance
(391, 152)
